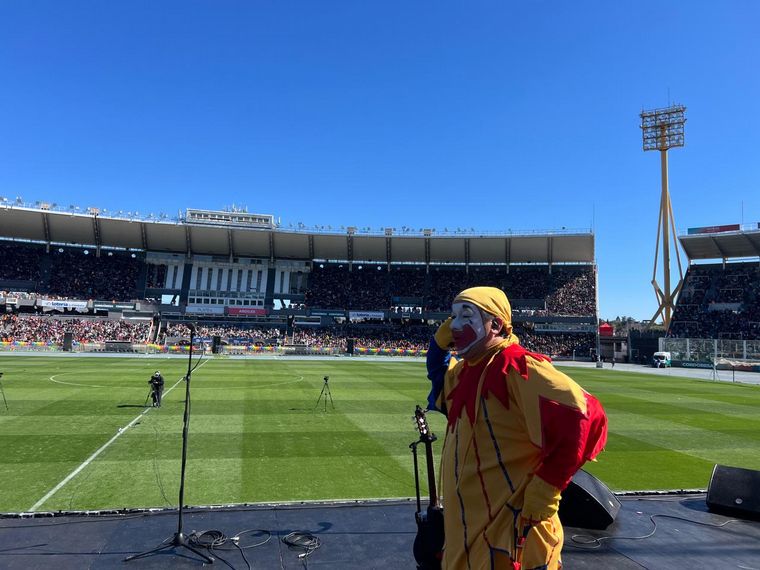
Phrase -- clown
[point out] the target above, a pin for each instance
(518, 430)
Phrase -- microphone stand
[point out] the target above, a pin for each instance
(180, 540)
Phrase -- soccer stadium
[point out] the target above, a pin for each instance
(306, 348)
(379, 285)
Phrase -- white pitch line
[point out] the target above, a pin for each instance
(92, 457)
(52, 379)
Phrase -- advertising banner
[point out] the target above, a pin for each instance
(111, 306)
(365, 314)
(691, 364)
(324, 313)
(247, 311)
(565, 328)
(714, 229)
(56, 304)
(204, 310)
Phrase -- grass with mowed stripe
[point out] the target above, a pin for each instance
(256, 434)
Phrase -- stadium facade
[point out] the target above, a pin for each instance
(188, 240)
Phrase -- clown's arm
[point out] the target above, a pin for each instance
(566, 423)
(438, 363)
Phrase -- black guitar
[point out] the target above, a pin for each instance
(428, 544)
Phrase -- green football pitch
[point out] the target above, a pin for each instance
(76, 435)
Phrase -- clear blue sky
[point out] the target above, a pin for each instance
(491, 115)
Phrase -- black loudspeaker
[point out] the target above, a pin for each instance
(588, 503)
(216, 344)
(735, 492)
(68, 339)
(350, 346)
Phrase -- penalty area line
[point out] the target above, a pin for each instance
(92, 457)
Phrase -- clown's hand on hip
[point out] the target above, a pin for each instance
(541, 502)
(443, 336)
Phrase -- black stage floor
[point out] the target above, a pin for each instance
(673, 532)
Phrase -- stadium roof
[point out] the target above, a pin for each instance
(722, 242)
(98, 230)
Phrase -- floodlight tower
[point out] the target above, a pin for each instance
(663, 129)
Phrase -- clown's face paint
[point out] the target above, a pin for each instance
(467, 327)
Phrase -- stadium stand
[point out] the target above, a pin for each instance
(719, 301)
(20, 261)
(76, 273)
(32, 328)
(263, 286)
(568, 291)
(230, 333)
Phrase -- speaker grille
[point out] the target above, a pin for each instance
(734, 491)
(588, 503)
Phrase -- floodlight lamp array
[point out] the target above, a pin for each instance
(663, 129)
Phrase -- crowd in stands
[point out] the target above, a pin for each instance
(71, 272)
(156, 276)
(112, 276)
(17, 295)
(718, 301)
(565, 345)
(20, 261)
(33, 328)
(232, 334)
(51, 328)
(319, 338)
(418, 338)
(568, 291)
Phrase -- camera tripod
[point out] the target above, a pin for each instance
(3, 393)
(325, 394)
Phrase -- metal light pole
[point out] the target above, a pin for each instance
(663, 129)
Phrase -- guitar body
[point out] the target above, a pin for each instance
(428, 544)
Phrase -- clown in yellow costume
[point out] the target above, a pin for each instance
(518, 430)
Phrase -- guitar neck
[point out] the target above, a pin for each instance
(431, 472)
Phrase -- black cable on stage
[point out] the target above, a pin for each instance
(93, 520)
(236, 538)
(216, 540)
(592, 543)
(212, 540)
(301, 540)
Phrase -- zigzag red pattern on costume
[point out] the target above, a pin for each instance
(464, 394)
(514, 357)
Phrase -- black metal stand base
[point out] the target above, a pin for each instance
(178, 541)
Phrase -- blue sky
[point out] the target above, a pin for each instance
(493, 115)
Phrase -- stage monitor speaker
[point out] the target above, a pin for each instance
(735, 492)
(588, 503)
(350, 346)
(216, 344)
(68, 339)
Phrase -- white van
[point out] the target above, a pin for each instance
(661, 360)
